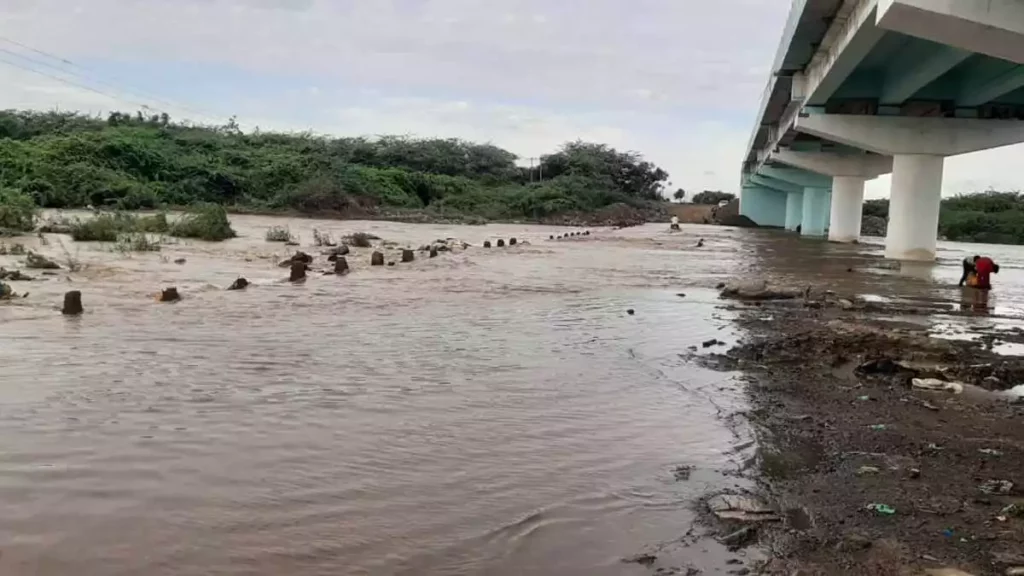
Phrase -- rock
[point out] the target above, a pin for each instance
(72, 303)
(740, 538)
(741, 508)
(630, 311)
(14, 276)
(586, 233)
(501, 243)
(512, 241)
(239, 284)
(756, 290)
(487, 243)
(642, 559)
(408, 255)
(39, 262)
(846, 304)
(298, 272)
(377, 259)
(297, 257)
(334, 253)
(170, 295)
(433, 252)
(709, 343)
(341, 265)
(391, 263)
(179, 261)
(551, 237)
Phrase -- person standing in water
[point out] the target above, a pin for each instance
(968, 265)
(675, 223)
(984, 267)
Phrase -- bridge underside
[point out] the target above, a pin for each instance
(893, 86)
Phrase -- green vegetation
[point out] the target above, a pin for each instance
(66, 160)
(108, 227)
(279, 234)
(137, 242)
(17, 210)
(206, 221)
(988, 217)
(712, 197)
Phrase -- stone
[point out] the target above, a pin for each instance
(341, 265)
(512, 241)
(740, 538)
(170, 295)
(741, 508)
(377, 259)
(334, 253)
(179, 261)
(72, 303)
(239, 284)
(39, 262)
(757, 290)
(408, 255)
(391, 263)
(501, 243)
(551, 237)
(586, 233)
(433, 252)
(487, 243)
(14, 276)
(298, 272)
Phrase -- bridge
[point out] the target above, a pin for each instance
(862, 88)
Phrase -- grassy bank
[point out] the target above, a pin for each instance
(132, 162)
(988, 217)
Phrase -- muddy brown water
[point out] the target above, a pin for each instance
(484, 412)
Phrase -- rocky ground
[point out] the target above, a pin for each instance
(867, 471)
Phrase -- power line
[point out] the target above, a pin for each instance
(132, 91)
(63, 80)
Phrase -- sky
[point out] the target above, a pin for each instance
(677, 80)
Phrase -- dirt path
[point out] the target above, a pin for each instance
(872, 475)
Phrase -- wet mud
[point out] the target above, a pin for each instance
(883, 448)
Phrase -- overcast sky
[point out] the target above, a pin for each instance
(678, 80)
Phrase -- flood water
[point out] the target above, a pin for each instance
(485, 412)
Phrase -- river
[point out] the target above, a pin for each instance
(484, 412)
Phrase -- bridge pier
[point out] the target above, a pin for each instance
(815, 212)
(847, 208)
(763, 205)
(914, 207)
(794, 210)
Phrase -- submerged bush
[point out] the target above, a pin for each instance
(360, 240)
(137, 242)
(204, 222)
(108, 227)
(279, 234)
(17, 210)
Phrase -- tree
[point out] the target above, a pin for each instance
(712, 197)
(679, 195)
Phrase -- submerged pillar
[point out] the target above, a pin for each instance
(794, 210)
(914, 207)
(847, 208)
(815, 212)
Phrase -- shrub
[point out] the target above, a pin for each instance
(102, 228)
(137, 242)
(323, 238)
(361, 240)
(17, 210)
(279, 234)
(205, 222)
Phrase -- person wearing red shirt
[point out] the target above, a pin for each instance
(984, 267)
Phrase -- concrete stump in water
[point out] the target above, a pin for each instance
(433, 252)
(341, 265)
(501, 243)
(408, 255)
(376, 259)
(487, 243)
(72, 303)
(170, 295)
(240, 284)
(512, 241)
(298, 272)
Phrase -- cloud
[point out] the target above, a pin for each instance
(668, 79)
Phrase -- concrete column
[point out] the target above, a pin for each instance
(794, 210)
(815, 212)
(847, 207)
(914, 207)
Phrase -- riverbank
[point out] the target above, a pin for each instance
(869, 472)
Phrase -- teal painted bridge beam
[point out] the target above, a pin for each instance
(779, 185)
(913, 71)
(765, 206)
(976, 90)
(796, 176)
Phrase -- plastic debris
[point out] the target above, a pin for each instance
(996, 487)
(883, 509)
(936, 385)
(863, 398)
(877, 427)
(991, 452)
(866, 470)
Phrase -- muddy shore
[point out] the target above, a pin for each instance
(865, 471)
